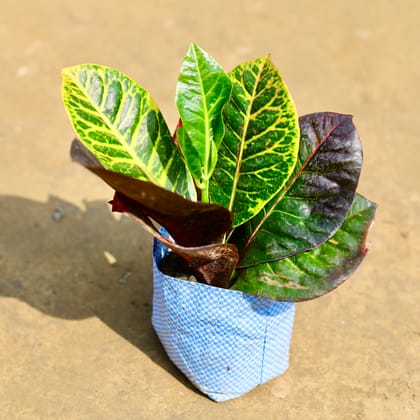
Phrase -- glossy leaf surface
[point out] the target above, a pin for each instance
(120, 123)
(313, 273)
(211, 264)
(202, 91)
(316, 198)
(260, 147)
(190, 223)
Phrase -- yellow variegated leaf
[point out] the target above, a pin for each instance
(119, 122)
(259, 150)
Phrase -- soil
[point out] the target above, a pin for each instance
(174, 266)
(75, 281)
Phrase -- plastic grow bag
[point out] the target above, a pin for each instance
(226, 342)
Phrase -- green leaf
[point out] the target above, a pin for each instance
(316, 198)
(316, 272)
(202, 91)
(121, 125)
(260, 147)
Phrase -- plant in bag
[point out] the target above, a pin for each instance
(253, 197)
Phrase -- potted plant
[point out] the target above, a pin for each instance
(252, 208)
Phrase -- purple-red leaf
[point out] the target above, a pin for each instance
(211, 264)
(190, 223)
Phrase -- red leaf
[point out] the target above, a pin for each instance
(190, 223)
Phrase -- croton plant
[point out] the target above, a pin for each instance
(254, 198)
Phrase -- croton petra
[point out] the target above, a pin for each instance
(254, 198)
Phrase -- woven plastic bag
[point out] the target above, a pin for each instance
(226, 342)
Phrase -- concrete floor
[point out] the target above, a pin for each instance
(75, 335)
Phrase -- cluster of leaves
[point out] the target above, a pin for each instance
(254, 198)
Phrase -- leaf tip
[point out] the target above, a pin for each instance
(194, 48)
(66, 72)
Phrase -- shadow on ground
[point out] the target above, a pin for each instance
(52, 256)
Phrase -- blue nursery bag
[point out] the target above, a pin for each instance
(226, 342)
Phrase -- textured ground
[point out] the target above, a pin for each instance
(75, 334)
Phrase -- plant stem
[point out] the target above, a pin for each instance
(205, 193)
